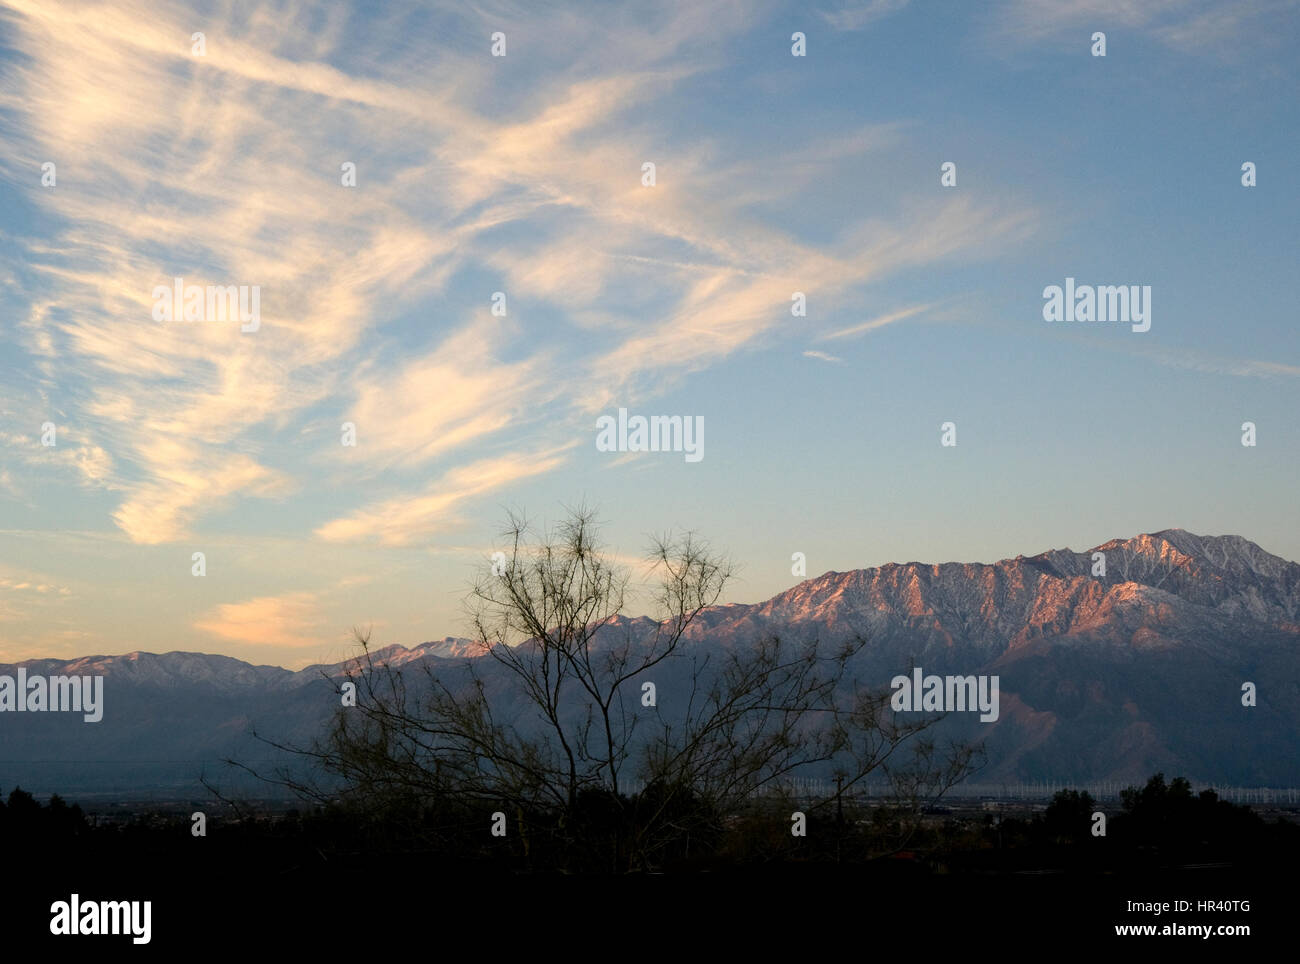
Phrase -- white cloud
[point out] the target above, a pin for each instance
(880, 321)
(856, 16)
(407, 519)
(823, 356)
(225, 169)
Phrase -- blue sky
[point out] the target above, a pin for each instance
(522, 174)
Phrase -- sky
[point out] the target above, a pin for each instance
(516, 181)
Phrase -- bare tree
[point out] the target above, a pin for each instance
(553, 722)
(547, 615)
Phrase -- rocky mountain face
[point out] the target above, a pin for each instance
(1107, 676)
(974, 610)
(1103, 675)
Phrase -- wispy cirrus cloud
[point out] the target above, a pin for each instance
(1187, 359)
(224, 168)
(71, 454)
(1220, 28)
(855, 16)
(823, 356)
(879, 321)
(406, 519)
(415, 410)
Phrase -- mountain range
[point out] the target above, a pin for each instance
(1104, 675)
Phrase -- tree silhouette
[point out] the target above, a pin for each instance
(554, 726)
